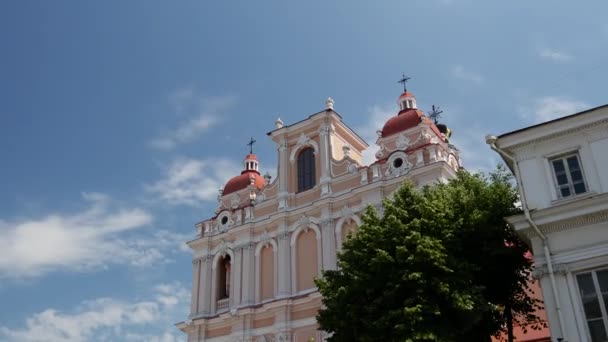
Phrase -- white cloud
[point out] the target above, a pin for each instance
(554, 55)
(458, 71)
(203, 113)
(81, 241)
(376, 119)
(552, 107)
(108, 319)
(192, 181)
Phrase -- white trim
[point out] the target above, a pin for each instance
(579, 317)
(258, 268)
(340, 224)
(299, 230)
(302, 228)
(214, 289)
(273, 329)
(302, 143)
(222, 253)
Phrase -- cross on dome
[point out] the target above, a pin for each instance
(403, 81)
(250, 144)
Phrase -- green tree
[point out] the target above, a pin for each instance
(440, 264)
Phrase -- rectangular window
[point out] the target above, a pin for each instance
(593, 287)
(568, 175)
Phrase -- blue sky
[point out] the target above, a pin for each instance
(120, 119)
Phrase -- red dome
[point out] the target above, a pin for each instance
(242, 181)
(408, 118)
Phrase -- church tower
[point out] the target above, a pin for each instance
(255, 259)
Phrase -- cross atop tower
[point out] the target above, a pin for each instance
(404, 80)
(250, 144)
(435, 113)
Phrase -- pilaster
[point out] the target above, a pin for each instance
(205, 294)
(325, 153)
(284, 269)
(235, 288)
(248, 274)
(196, 269)
(328, 243)
(283, 164)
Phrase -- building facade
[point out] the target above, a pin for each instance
(255, 259)
(561, 167)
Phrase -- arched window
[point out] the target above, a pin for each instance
(306, 169)
(223, 278)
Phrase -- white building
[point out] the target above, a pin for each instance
(561, 167)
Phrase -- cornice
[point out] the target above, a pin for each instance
(557, 134)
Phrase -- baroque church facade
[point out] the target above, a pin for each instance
(255, 258)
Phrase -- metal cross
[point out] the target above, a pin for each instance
(250, 144)
(435, 113)
(403, 80)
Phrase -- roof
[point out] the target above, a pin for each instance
(317, 113)
(406, 119)
(552, 121)
(242, 181)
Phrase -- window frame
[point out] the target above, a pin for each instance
(563, 157)
(306, 169)
(602, 304)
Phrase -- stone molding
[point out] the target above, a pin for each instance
(540, 271)
(555, 135)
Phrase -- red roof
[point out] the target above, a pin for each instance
(407, 118)
(241, 182)
(251, 156)
(406, 94)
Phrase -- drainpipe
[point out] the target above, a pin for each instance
(491, 140)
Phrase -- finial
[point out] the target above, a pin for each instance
(435, 113)
(278, 123)
(403, 80)
(251, 142)
(329, 103)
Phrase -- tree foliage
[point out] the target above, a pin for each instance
(440, 264)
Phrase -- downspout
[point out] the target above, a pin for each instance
(491, 140)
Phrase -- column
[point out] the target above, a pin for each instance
(283, 164)
(235, 287)
(248, 274)
(196, 269)
(284, 269)
(328, 243)
(324, 132)
(205, 294)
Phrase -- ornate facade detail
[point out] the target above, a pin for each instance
(540, 271)
(347, 211)
(575, 222)
(346, 150)
(283, 235)
(379, 153)
(398, 164)
(402, 142)
(303, 139)
(303, 221)
(352, 168)
(235, 201)
(283, 336)
(278, 123)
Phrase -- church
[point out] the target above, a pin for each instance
(255, 258)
